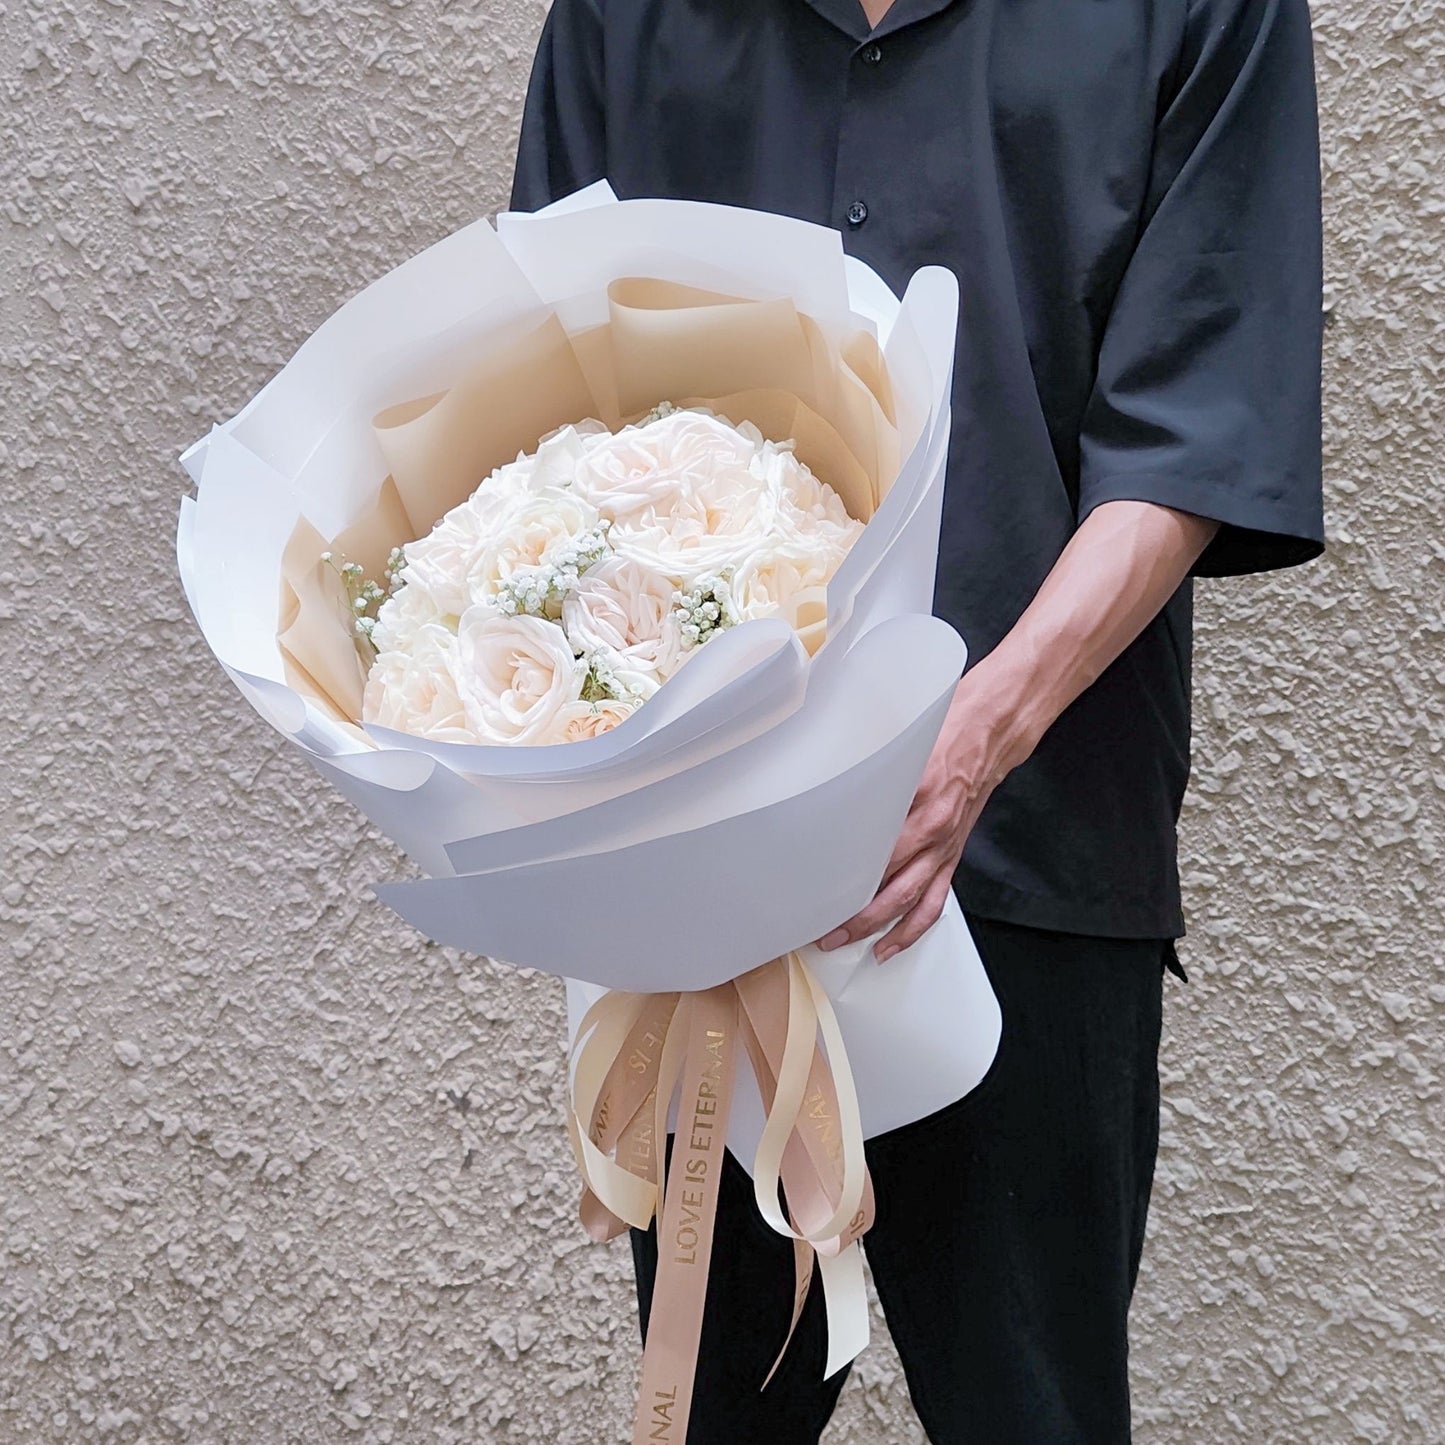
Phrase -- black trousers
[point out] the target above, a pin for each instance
(1008, 1230)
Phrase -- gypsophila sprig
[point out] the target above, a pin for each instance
(363, 596)
(602, 683)
(395, 566)
(706, 609)
(662, 409)
(541, 591)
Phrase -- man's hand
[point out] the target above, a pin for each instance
(975, 749)
(1121, 566)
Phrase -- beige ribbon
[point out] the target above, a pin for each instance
(633, 1054)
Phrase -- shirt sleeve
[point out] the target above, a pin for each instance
(1207, 393)
(562, 146)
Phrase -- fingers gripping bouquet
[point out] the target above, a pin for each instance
(592, 559)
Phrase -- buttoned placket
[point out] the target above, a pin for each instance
(852, 212)
(849, 184)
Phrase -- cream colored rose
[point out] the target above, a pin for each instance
(710, 525)
(514, 675)
(724, 504)
(792, 570)
(443, 563)
(559, 454)
(811, 534)
(414, 688)
(805, 503)
(398, 619)
(581, 720)
(642, 474)
(536, 531)
(766, 584)
(624, 609)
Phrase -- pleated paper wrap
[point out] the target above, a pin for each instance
(675, 869)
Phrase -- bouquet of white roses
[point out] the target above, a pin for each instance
(659, 481)
(574, 582)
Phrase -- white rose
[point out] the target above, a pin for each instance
(514, 675)
(768, 580)
(587, 427)
(622, 608)
(560, 453)
(794, 570)
(709, 529)
(581, 720)
(716, 497)
(534, 532)
(806, 506)
(642, 473)
(811, 534)
(414, 689)
(410, 608)
(443, 562)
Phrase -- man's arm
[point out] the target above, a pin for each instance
(1206, 405)
(1122, 565)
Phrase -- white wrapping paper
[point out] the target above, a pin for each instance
(751, 806)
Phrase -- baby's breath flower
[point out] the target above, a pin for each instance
(541, 591)
(603, 683)
(706, 609)
(364, 598)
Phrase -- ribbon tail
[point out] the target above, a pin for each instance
(847, 1298)
(637, 1153)
(687, 1220)
(615, 1074)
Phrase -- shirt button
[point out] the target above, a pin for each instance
(872, 54)
(857, 213)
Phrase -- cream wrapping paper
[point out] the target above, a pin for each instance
(776, 767)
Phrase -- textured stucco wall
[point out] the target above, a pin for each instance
(273, 1169)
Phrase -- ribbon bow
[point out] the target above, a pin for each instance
(634, 1053)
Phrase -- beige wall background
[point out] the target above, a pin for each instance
(271, 1168)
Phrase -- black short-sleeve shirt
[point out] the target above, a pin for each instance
(1128, 193)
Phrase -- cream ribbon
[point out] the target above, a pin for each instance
(632, 1054)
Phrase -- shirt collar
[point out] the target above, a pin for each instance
(848, 16)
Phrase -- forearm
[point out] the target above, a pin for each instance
(1119, 569)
